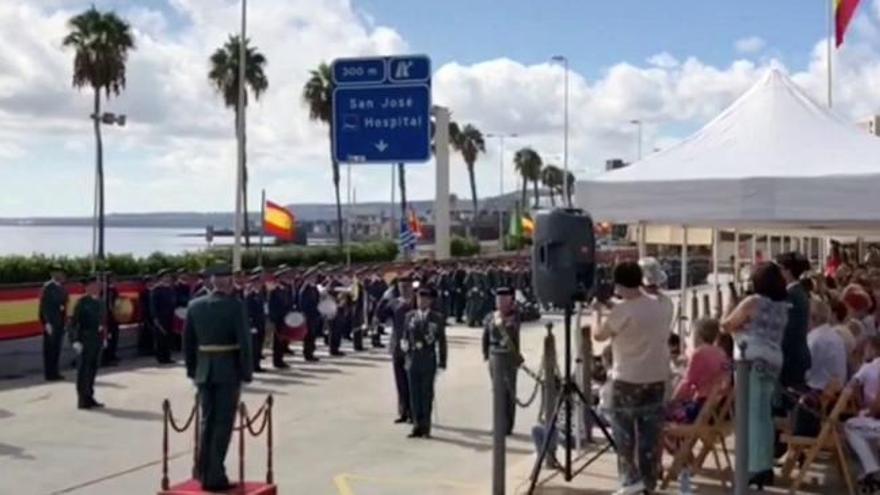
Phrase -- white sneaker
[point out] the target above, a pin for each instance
(634, 489)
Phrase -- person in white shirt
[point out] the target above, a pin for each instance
(638, 330)
(863, 431)
(827, 349)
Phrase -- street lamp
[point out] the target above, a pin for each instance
(564, 61)
(638, 124)
(500, 137)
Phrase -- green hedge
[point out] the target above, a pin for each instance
(30, 269)
(461, 247)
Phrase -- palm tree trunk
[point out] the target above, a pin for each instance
(244, 188)
(535, 188)
(335, 165)
(525, 186)
(99, 166)
(552, 198)
(470, 167)
(401, 181)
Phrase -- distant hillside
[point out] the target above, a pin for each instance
(306, 212)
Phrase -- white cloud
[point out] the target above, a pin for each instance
(752, 44)
(180, 137)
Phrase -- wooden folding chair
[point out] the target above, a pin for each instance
(809, 448)
(722, 425)
(685, 437)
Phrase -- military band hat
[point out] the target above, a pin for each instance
(257, 271)
(282, 271)
(56, 268)
(404, 279)
(163, 272)
(428, 291)
(503, 291)
(219, 270)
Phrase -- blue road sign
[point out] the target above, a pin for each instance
(382, 110)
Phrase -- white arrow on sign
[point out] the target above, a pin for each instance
(381, 146)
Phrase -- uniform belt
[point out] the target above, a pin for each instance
(218, 348)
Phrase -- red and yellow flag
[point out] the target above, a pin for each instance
(844, 10)
(279, 222)
(414, 224)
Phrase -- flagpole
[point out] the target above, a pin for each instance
(394, 227)
(348, 222)
(239, 174)
(262, 225)
(830, 54)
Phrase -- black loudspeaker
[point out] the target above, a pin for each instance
(563, 257)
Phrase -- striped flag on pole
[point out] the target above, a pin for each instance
(407, 240)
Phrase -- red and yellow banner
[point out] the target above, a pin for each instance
(844, 10)
(279, 222)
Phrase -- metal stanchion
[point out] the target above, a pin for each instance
(499, 420)
(741, 476)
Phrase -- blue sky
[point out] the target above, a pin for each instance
(673, 64)
(596, 34)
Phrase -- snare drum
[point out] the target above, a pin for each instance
(294, 326)
(179, 321)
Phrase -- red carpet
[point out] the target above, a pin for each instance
(193, 487)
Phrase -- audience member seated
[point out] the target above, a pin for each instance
(707, 366)
(863, 431)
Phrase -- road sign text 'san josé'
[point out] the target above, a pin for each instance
(382, 109)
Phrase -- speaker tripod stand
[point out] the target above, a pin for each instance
(567, 394)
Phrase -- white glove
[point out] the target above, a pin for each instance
(254, 330)
(78, 347)
(48, 328)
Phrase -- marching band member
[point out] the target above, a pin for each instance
(308, 300)
(255, 300)
(162, 306)
(53, 312)
(280, 304)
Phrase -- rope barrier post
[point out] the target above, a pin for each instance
(270, 475)
(166, 407)
(242, 415)
(196, 438)
(741, 446)
(499, 419)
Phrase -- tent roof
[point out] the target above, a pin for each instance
(773, 157)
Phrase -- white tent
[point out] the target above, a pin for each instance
(775, 159)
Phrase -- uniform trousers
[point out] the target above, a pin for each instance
(219, 403)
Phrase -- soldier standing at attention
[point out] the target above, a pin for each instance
(217, 346)
(255, 302)
(110, 357)
(396, 310)
(162, 305)
(424, 342)
(501, 331)
(53, 312)
(86, 335)
(308, 300)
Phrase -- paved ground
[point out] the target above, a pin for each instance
(333, 429)
(333, 432)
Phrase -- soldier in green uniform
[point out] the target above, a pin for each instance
(87, 337)
(53, 312)
(424, 343)
(501, 331)
(217, 346)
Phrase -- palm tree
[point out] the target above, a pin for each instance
(551, 177)
(470, 143)
(101, 41)
(528, 163)
(224, 77)
(318, 95)
(569, 187)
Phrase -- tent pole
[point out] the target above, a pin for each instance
(682, 297)
(642, 239)
(716, 248)
(768, 255)
(860, 250)
(736, 258)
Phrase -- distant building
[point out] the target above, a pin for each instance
(614, 164)
(871, 124)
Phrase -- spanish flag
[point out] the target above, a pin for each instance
(844, 10)
(279, 222)
(414, 224)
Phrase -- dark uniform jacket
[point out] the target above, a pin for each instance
(396, 310)
(501, 332)
(53, 305)
(424, 339)
(309, 297)
(217, 320)
(254, 301)
(85, 325)
(162, 305)
(279, 305)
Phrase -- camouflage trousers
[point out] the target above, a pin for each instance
(637, 423)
